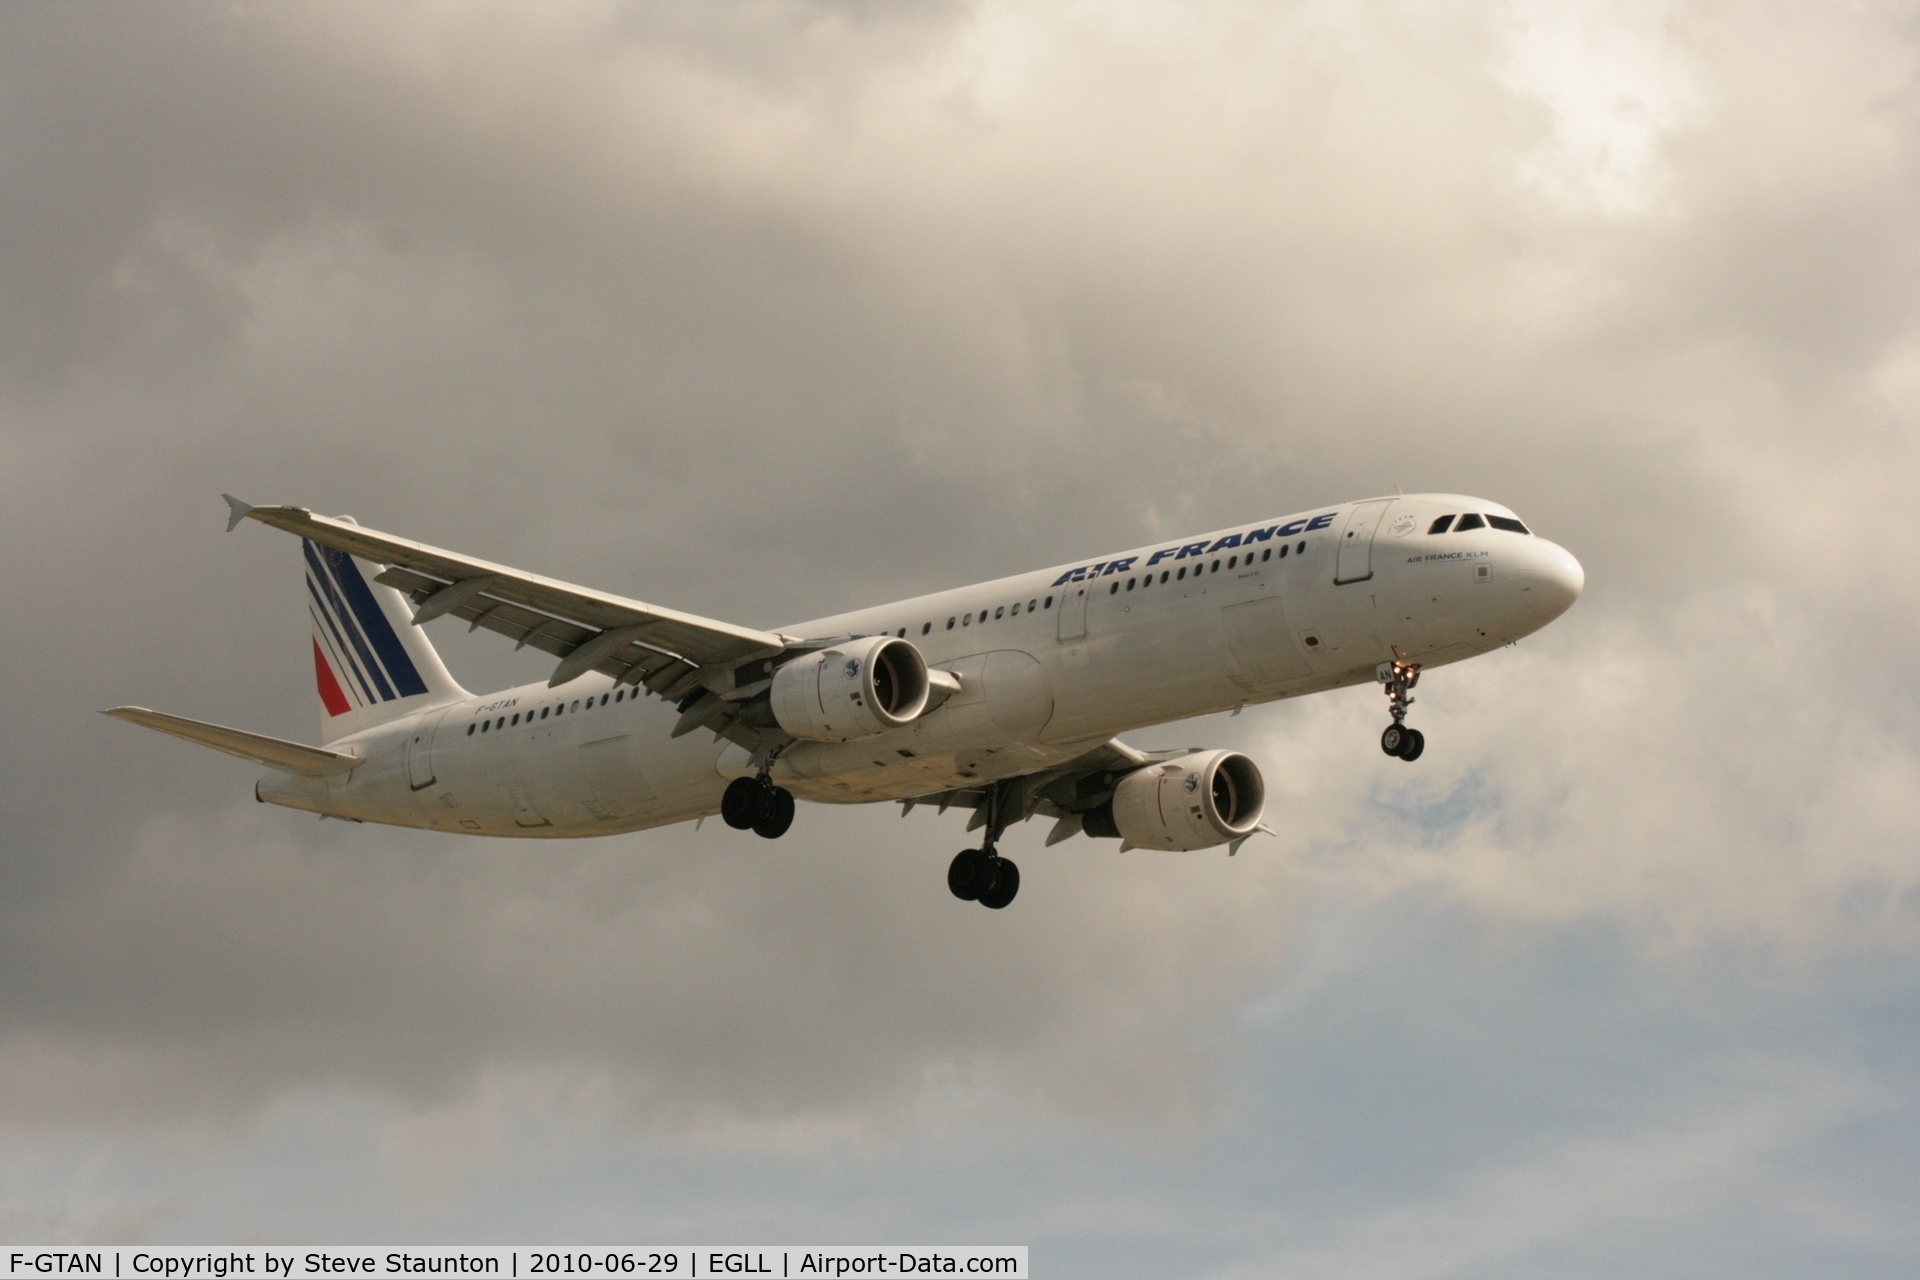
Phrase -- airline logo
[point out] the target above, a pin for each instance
(1305, 524)
(358, 659)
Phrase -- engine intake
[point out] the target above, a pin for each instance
(852, 690)
(1195, 801)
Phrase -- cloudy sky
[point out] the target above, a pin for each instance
(770, 309)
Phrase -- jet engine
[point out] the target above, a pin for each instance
(1195, 801)
(851, 690)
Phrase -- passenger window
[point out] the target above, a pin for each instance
(1114, 590)
(1180, 575)
(501, 723)
(1163, 575)
(1232, 560)
(1016, 610)
(516, 718)
(1440, 525)
(543, 712)
(575, 706)
(1469, 521)
(966, 620)
(1001, 612)
(1302, 548)
(1266, 555)
(1035, 604)
(1049, 603)
(949, 624)
(470, 729)
(1216, 567)
(1130, 582)
(1283, 551)
(1507, 523)
(925, 627)
(1146, 582)
(903, 633)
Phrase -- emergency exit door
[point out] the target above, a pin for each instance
(1073, 613)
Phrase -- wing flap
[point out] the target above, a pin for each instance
(552, 616)
(274, 753)
(634, 662)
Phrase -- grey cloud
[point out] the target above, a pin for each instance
(767, 311)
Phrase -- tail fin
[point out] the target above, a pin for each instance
(370, 662)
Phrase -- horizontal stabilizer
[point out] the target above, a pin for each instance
(274, 753)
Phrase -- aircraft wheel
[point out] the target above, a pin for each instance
(1394, 739)
(779, 815)
(1006, 884)
(1416, 743)
(968, 874)
(744, 803)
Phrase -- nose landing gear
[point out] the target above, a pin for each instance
(756, 804)
(1398, 740)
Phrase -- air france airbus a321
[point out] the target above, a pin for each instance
(1003, 698)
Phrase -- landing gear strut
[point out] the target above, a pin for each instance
(1397, 739)
(757, 805)
(982, 875)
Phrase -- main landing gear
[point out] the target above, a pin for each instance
(757, 805)
(982, 875)
(1397, 739)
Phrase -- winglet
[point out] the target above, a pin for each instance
(236, 511)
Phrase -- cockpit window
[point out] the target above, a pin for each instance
(1508, 523)
(1440, 525)
(1469, 521)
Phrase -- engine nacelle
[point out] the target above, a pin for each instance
(852, 690)
(1193, 802)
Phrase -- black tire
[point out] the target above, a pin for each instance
(1394, 739)
(1416, 743)
(1005, 886)
(968, 874)
(779, 816)
(743, 804)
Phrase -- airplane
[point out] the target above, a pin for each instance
(1005, 698)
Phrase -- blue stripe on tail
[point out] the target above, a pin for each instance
(373, 620)
(330, 592)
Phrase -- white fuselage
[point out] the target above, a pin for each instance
(1050, 663)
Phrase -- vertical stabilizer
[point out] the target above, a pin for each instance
(370, 663)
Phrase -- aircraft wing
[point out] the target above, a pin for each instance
(275, 753)
(669, 652)
(1064, 792)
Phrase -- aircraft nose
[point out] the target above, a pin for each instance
(1554, 581)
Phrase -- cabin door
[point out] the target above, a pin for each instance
(420, 749)
(1355, 561)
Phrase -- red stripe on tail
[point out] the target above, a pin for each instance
(330, 696)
